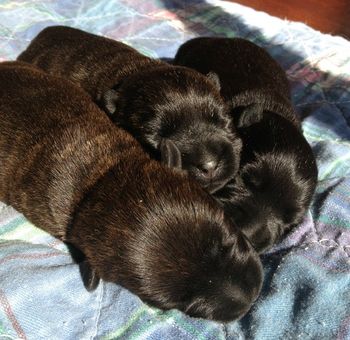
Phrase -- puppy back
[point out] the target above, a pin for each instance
(54, 144)
(94, 62)
(171, 246)
(248, 74)
(139, 224)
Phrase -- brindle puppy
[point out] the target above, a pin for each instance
(278, 171)
(139, 224)
(167, 108)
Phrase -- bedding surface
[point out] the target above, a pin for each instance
(306, 293)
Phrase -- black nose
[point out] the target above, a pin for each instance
(209, 169)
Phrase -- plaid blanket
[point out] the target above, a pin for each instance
(306, 293)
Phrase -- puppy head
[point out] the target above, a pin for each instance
(269, 198)
(275, 184)
(198, 268)
(178, 106)
(209, 156)
(229, 281)
(174, 249)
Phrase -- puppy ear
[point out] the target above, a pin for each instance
(250, 115)
(212, 76)
(89, 276)
(109, 101)
(170, 154)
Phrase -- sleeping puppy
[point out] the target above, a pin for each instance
(277, 179)
(142, 225)
(278, 173)
(250, 79)
(169, 109)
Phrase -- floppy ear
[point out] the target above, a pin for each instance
(212, 76)
(89, 276)
(170, 154)
(109, 101)
(250, 115)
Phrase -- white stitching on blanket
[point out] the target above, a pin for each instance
(336, 245)
(224, 328)
(319, 241)
(98, 311)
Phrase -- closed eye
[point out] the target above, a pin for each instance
(252, 182)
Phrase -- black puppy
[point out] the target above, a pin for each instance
(250, 79)
(139, 224)
(172, 110)
(278, 171)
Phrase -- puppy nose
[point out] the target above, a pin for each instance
(209, 169)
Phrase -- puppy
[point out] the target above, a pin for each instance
(169, 109)
(139, 224)
(251, 80)
(278, 172)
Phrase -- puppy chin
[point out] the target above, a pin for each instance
(213, 186)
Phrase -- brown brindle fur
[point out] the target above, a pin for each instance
(93, 62)
(71, 172)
